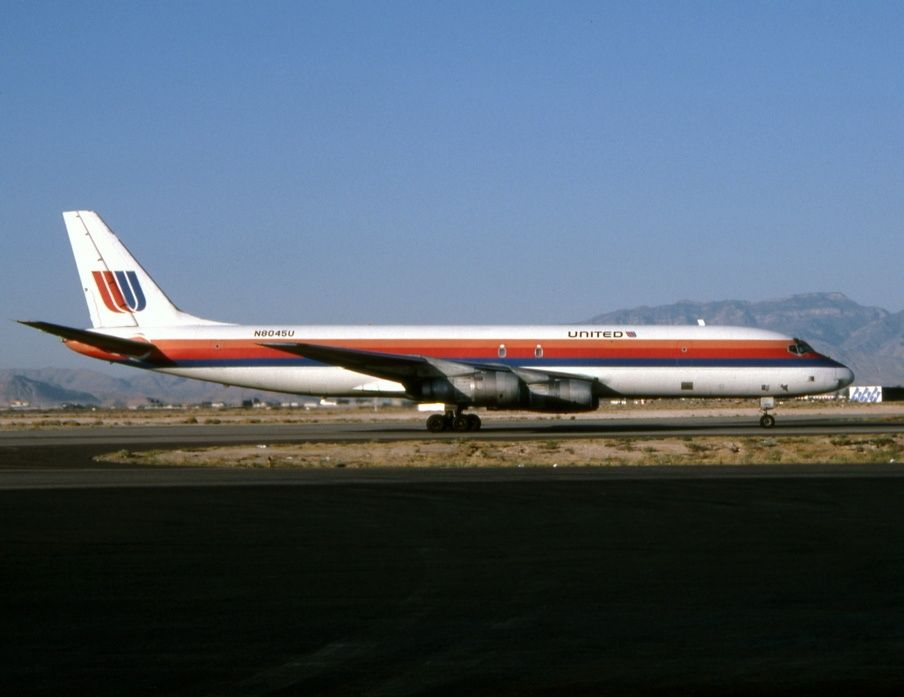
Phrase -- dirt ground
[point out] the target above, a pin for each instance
(595, 452)
(453, 452)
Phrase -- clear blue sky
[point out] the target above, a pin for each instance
(451, 162)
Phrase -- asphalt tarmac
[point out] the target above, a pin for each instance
(494, 429)
(766, 580)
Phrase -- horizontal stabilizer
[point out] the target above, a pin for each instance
(104, 342)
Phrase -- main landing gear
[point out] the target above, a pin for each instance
(767, 420)
(453, 420)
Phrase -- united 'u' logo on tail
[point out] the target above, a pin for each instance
(120, 290)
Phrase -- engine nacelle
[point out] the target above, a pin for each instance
(500, 389)
(562, 395)
(482, 388)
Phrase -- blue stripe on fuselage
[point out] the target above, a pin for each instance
(540, 363)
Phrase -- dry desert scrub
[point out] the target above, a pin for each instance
(593, 452)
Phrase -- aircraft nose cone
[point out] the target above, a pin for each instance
(845, 376)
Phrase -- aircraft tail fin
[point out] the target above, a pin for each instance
(119, 292)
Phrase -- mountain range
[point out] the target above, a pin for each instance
(868, 339)
(52, 387)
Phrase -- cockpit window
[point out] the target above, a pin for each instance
(799, 348)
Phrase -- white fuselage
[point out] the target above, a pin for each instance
(666, 361)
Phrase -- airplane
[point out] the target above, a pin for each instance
(556, 368)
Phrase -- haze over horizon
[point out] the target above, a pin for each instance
(433, 163)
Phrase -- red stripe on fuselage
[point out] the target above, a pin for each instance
(483, 350)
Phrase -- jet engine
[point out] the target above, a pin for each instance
(482, 388)
(562, 395)
(501, 389)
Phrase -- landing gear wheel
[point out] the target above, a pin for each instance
(461, 423)
(453, 420)
(436, 423)
(767, 421)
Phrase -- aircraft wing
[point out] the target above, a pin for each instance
(104, 342)
(409, 369)
(389, 366)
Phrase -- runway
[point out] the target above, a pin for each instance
(217, 434)
(765, 580)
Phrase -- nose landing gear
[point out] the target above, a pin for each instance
(453, 420)
(767, 420)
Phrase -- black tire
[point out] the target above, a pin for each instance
(473, 422)
(436, 423)
(767, 421)
(460, 423)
